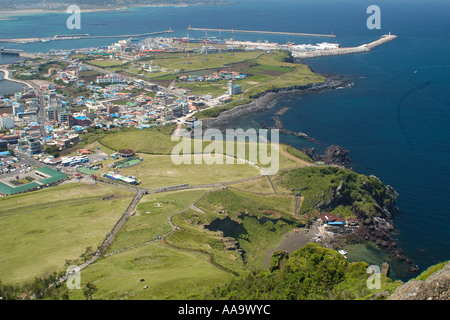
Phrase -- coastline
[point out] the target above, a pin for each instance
(4, 74)
(377, 229)
(26, 12)
(262, 101)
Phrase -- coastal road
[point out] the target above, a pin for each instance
(41, 109)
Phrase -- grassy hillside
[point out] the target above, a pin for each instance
(255, 223)
(40, 230)
(208, 237)
(151, 218)
(335, 190)
(310, 273)
(168, 273)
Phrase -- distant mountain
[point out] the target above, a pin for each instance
(59, 4)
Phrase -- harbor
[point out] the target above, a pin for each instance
(81, 36)
(10, 52)
(341, 51)
(264, 32)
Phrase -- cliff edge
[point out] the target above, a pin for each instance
(426, 287)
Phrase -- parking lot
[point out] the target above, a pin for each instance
(13, 165)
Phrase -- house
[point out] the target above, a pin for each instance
(331, 219)
(112, 78)
(352, 222)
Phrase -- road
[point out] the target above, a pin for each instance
(41, 110)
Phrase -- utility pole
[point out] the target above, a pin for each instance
(188, 45)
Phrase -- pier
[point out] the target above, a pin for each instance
(81, 36)
(340, 51)
(265, 32)
(10, 52)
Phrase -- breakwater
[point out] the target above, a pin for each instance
(340, 51)
(82, 36)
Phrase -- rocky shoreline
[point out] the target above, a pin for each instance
(379, 228)
(262, 101)
(334, 155)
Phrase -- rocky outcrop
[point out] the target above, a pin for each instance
(279, 126)
(435, 287)
(262, 101)
(334, 155)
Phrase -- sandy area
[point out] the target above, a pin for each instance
(294, 241)
(26, 12)
(18, 13)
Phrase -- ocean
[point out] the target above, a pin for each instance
(8, 87)
(394, 120)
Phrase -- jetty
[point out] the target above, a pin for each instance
(82, 36)
(340, 51)
(10, 52)
(264, 32)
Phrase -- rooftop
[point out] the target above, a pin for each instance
(50, 176)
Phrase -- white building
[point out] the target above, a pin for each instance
(234, 89)
(93, 105)
(6, 122)
(111, 78)
(18, 108)
(327, 46)
(84, 68)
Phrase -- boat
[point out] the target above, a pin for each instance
(343, 252)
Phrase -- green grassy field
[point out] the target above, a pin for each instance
(158, 141)
(159, 170)
(151, 217)
(170, 274)
(107, 63)
(267, 72)
(149, 141)
(257, 222)
(40, 230)
(202, 61)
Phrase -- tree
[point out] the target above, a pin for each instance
(53, 150)
(9, 292)
(89, 290)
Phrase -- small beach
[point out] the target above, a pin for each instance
(295, 240)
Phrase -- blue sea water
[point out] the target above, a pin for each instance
(394, 121)
(8, 87)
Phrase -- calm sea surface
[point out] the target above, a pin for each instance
(395, 120)
(8, 87)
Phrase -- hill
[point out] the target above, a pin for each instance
(224, 224)
(310, 273)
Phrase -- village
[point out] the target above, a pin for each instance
(77, 96)
(69, 93)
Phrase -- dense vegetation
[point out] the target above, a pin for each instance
(310, 273)
(337, 190)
